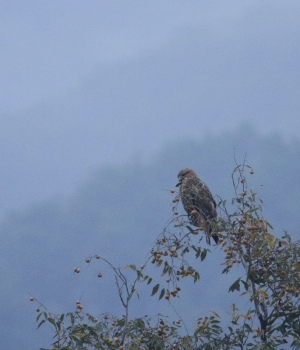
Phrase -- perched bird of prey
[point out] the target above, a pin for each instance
(197, 201)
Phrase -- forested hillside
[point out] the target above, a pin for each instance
(118, 213)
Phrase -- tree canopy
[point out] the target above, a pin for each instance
(266, 314)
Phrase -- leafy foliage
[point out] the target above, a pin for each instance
(270, 283)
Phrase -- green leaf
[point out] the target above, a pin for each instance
(195, 249)
(226, 270)
(235, 286)
(268, 224)
(149, 280)
(245, 284)
(162, 293)
(190, 229)
(121, 322)
(197, 276)
(39, 325)
(51, 320)
(186, 249)
(249, 329)
(166, 269)
(155, 289)
(222, 203)
(254, 209)
(159, 263)
(203, 254)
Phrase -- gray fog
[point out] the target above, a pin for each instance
(102, 103)
(85, 84)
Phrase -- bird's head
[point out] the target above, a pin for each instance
(184, 173)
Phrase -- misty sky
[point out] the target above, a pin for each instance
(85, 84)
(88, 83)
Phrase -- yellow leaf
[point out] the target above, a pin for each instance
(263, 293)
(214, 312)
(262, 225)
(79, 334)
(270, 238)
(284, 243)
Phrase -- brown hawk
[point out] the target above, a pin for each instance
(197, 201)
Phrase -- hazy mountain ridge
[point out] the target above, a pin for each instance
(120, 210)
(195, 81)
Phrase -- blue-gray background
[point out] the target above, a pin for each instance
(102, 103)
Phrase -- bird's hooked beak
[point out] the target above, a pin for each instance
(180, 181)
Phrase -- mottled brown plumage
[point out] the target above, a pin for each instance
(197, 201)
